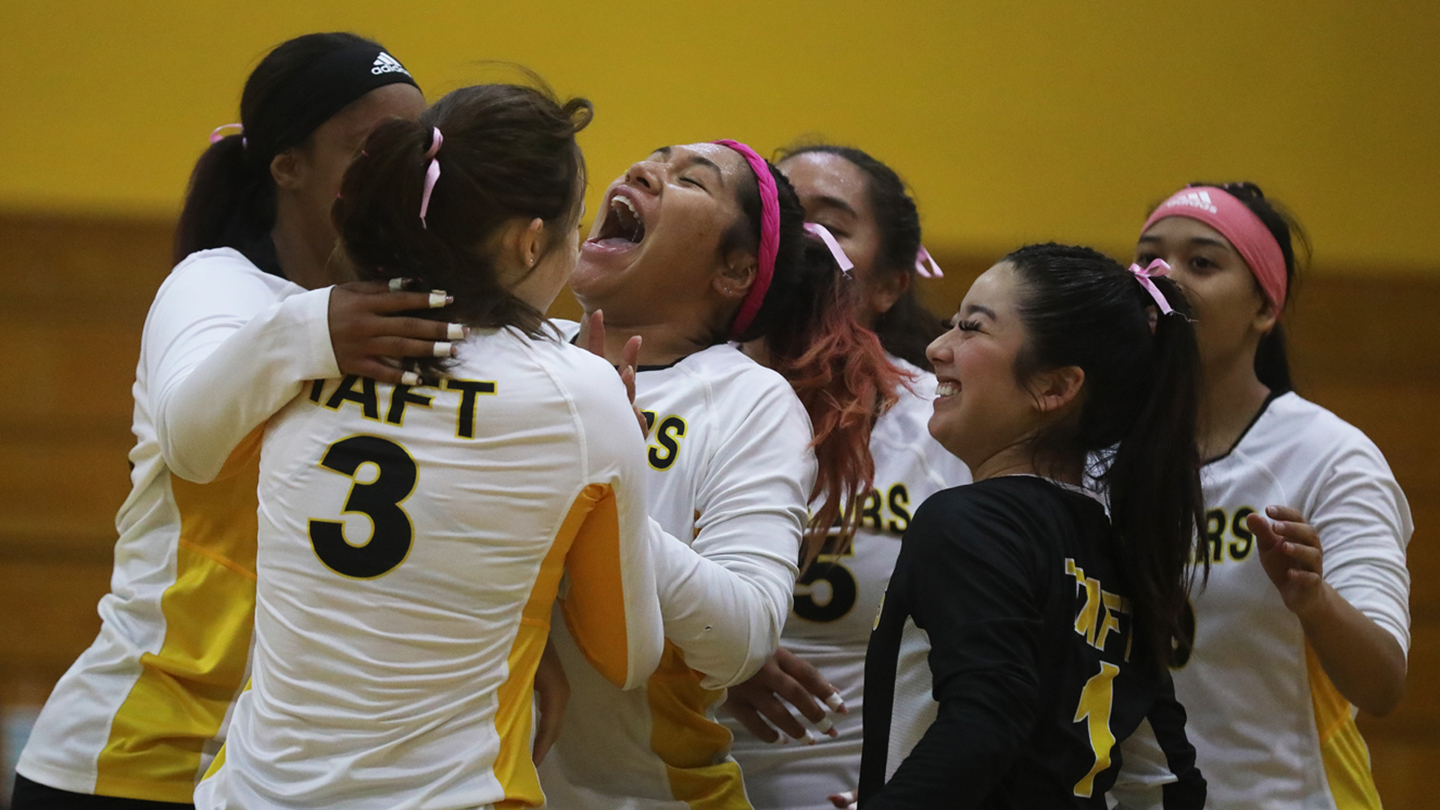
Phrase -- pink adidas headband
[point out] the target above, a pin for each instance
(1252, 240)
(769, 236)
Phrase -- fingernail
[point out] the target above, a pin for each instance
(808, 739)
(836, 703)
(442, 349)
(457, 332)
(397, 284)
(438, 299)
(782, 739)
(410, 378)
(1272, 510)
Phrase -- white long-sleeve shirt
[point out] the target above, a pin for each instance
(412, 542)
(730, 474)
(141, 711)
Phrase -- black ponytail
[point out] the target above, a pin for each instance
(1272, 361)
(907, 328)
(836, 366)
(230, 201)
(1137, 418)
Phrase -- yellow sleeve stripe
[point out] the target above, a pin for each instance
(1347, 761)
(595, 604)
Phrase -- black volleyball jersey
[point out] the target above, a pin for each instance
(1015, 584)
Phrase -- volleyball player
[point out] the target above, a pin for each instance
(395, 653)
(1305, 616)
(1051, 620)
(230, 337)
(697, 246)
(864, 205)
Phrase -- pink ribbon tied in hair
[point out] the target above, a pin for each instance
(823, 234)
(933, 271)
(432, 173)
(1144, 275)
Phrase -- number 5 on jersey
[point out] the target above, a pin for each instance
(379, 500)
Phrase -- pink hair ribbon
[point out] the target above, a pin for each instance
(933, 271)
(216, 136)
(1238, 224)
(1145, 276)
(823, 234)
(769, 236)
(432, 173)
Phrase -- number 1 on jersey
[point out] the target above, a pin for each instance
(379, 500)
(1095, 702)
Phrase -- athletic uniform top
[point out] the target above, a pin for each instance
(412, 542)
(836, 602)
(141, 711)
(1015, 581)
(730, 471)
(1270, 729)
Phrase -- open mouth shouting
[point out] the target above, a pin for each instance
(623, 225)
(946, 388)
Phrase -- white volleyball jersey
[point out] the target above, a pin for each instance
(141, 711)
(837, 600)
(730, 471)
(1270, 729)
(411, 544)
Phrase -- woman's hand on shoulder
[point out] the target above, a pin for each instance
(371, 339)
(785, 677)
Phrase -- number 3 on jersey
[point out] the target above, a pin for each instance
(391, 532)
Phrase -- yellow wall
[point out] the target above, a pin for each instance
(1014, 121)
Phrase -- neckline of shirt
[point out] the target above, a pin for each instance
(1264, 406)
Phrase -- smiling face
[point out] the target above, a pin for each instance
(981, 410)
(835, 193)
(1231, 313)
(654, 251)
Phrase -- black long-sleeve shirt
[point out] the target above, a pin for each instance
(1017, 583)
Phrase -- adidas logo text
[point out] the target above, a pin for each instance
(1193, 199)
(385, 63)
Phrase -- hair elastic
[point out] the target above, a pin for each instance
(822, 233)
(432, 173)
(1145, 276)
(921, 258)
(216, 136)
(1240, 226)
(769, 236)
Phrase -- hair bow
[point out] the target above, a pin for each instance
(823, 234)
(1144, 275)
(432, 174)
(921, 258)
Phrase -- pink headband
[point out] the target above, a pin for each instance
(432, 174)
(769, 236)
(1252, 240)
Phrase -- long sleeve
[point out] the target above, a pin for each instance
(727, 594)
(1364, 524)
(611, 606)
(968, 580)
(225, 347)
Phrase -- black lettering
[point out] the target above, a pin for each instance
(649, 422)
(870, 510)
(369, 402)
(1215, 532)
(899, 503)
(1245, 539)
(668, 435)
(843, 592)
(379, 500)
(316, 389)
(398, 400)
(465, 413)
